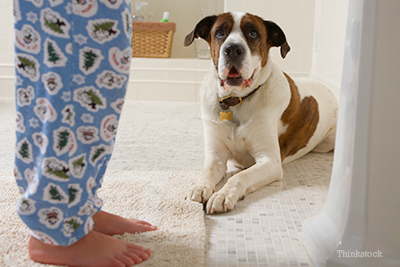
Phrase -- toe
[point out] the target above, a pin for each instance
(194, 194)
(219, 203)
(116, 263)
(147, 226)
(142, 255)
(139, 222)
(127, 261)
(134, 246)
(207, 193)
(200, 193)
(136, 249)
(144, 228)
(210, 205)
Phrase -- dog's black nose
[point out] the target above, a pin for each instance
(234, 50)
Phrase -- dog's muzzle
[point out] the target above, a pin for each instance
(234, 56)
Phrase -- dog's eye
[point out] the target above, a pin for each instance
(253, 34)
(219, 33)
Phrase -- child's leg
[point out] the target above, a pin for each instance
(72, 67)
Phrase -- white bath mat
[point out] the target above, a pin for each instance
(155, 197)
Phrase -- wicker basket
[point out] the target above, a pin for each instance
(152, 39)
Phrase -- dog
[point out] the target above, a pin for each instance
(255, 116)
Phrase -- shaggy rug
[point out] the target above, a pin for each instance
(155, 197)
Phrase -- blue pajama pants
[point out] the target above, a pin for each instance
(72, 60)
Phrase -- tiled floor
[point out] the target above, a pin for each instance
(264, 229)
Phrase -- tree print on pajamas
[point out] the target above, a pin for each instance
(72, 61)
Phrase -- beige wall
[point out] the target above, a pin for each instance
(299, 19)
(6, 49)
(6, 32)
(330, 32)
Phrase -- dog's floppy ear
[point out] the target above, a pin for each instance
(276, 37)
(201, 30)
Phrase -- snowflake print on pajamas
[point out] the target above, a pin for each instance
(19, 122)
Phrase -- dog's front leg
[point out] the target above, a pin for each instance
(267, 169)
(214, 170)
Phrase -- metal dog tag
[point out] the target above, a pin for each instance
(223, 115)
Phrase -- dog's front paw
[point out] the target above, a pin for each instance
(221, 201)
(200, 192)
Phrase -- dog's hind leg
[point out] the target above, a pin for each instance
(328, 143)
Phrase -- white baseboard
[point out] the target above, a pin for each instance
(154, 79)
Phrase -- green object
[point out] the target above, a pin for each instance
(97, 154)
(165, 17)
(24, 151)
(53, 26)
(63, 141)
(89, 59)
(55, 194)
(72, 194)
(53, 56)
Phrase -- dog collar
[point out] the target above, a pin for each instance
(230, 101)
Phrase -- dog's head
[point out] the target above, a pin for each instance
(239, 46)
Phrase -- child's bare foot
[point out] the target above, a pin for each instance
(95, 249)
(110, 224)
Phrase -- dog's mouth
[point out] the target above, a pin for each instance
(235, 79)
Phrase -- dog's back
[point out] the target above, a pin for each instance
(316, 117)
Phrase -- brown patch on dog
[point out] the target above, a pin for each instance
(302, 118)
(224, 22)
(259, 45)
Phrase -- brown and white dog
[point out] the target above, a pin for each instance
(254, 115)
